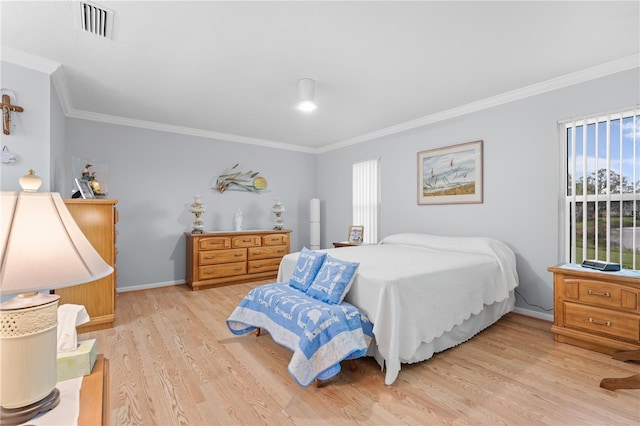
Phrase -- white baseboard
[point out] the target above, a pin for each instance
(148, 286)
(535, 314)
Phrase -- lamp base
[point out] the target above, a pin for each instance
(16, 416)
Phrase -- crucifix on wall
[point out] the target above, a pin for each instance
(7, 109)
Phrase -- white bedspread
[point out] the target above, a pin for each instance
(415, 287)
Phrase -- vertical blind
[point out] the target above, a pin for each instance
(602, 188)
(366, 197)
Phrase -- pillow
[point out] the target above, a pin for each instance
(309, 263)
(333, 281)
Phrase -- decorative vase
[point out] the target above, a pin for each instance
(278, 209)
(197, 208)
(238, 220)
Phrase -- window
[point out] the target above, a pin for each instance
(366, 197)
(602, 214)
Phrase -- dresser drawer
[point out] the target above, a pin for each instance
(222, 270)
(263, 265)
(215, 243)
(614, 323)
(267, 252)
(246, 241)
(274, 239)
(211, 257)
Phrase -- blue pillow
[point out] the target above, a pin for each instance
(333, 280)
(309, 263)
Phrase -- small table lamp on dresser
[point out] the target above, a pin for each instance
(41, 248)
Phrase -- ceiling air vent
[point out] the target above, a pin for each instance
(95, 19)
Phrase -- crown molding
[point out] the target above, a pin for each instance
(57, 73)
(602, 70)
(151, 125)
(62, 89)
(28, 60)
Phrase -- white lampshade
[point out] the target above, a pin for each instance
(41, 248)
(306, 94)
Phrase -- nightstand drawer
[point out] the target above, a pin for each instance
(267, 252)
(211, 257)
(600, 320)
(222, 270)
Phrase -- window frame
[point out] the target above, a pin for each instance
(569, 196)
(371, 222)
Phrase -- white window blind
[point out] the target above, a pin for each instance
(602, 188)
(366, 197)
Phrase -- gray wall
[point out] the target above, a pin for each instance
(522, 181)
(31, 137)
(154, 176)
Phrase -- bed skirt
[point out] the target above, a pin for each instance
(457, 335)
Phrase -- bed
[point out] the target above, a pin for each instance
(425, 293)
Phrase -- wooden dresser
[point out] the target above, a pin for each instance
(221, 258)
(97, 219)
(596, 310)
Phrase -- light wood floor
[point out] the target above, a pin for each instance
(173, 361)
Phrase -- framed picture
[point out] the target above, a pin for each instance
(451, 175)
(84, 188)
(356, 233)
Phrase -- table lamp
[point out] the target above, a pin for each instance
(41, 248)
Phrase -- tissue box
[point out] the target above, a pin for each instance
(77, 363)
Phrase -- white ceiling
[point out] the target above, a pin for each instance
(230, 69)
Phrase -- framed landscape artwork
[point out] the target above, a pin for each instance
(451, 175)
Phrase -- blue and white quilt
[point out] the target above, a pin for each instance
(319, 334)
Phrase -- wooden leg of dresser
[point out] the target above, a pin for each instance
(632, 382)
(627, 355)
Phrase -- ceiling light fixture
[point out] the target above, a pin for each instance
(306, 91)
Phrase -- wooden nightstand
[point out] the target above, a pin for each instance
(599, 311)
(596, 310)
(338, 244)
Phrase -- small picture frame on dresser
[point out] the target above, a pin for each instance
(84, 190)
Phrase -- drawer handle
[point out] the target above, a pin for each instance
(238, 268)
(600, 293)
(280, 251)
(246, 241)
(256, 252)
(238, 255)
(208, 257)
(600, 322)
(257, 266)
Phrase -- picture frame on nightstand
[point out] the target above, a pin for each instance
(356, 233)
